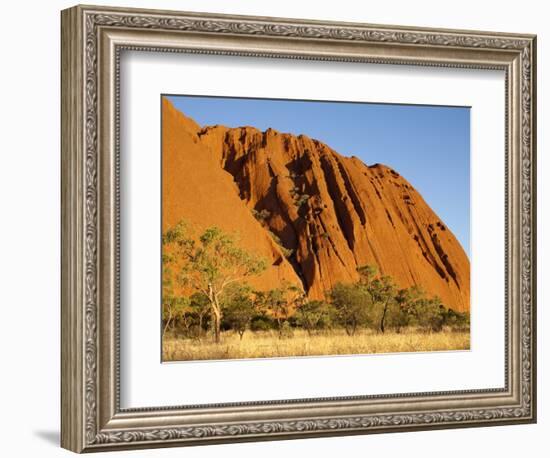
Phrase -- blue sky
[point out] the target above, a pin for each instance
(428, 145)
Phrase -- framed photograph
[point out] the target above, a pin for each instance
(279, 228)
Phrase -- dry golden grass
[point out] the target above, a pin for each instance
(266, 344)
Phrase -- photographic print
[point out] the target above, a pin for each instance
(310, 215)
(298, 228)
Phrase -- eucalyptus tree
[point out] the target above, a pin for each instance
(239, 308)
(209, 264)
(280, 303)
(312, 315)
(352, 306)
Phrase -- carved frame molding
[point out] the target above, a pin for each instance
(92, 40)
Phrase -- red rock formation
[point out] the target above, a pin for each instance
(196, 188)
(335, 213)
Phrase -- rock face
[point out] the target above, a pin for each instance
(196, 188)
(314, 214)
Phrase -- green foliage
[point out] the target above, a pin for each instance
(174, 307)
(390, 307)
(403, 314)
(219, 261)
(209, 266)
(457, 320)
(313, 315)
(199, 303)
(239, 308)
(430, 314)
(301, 199)
(204, 284)
(381, 289)
(179, 240)
(352, 307)
(286, 251)
(200, 309)
(175, 313)
(382, 293)
(262, 322)
(261, 215)
(273, 301)
(366, 274)
(279, 303)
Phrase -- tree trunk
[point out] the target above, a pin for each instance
(351, 328)
(166, 326)
(217, 312)
(201, 319)
(217, 326)
(383, 320)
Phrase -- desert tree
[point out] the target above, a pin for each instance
(239, 308)
(457, 320)
(210, 264)
(382, 292)
(175, 310)
(367, 274)
(430, 314)
(200, 307)
(273, 304)
(262, 216)
(312, 315)
(352, 306)
(261, 321)
(280, 303)
(403, 314)
(174, 306)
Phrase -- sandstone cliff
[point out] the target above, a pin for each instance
(329, 213)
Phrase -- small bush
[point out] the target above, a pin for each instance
(287, 253)
(261, 323)
(301, 199)
(262, 215)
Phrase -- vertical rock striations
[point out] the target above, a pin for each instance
(316, 215)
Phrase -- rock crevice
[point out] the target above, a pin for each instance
(331, 213)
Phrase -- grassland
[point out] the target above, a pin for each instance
(267, 344)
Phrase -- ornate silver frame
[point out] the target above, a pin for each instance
(92, 40)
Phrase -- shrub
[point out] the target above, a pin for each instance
(301, 199)
(430, 314)
(238, 309)
(286, 251)
(261, 215)
(352, 307)
(261, 323)
(313, 315)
